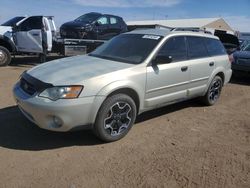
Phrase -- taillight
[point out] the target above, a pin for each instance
(231, 58)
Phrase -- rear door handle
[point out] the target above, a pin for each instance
(184, 69)
(211, 64)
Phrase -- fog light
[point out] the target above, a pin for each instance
(57, 122)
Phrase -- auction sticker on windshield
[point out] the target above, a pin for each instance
(153, 37)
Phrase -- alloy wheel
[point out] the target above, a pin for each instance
(118, 118)
(215, 90)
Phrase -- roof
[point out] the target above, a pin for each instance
(165, 32)
(161, 32)
(195, 23)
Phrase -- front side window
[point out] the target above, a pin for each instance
(196, 47)
(128, 48)
(31, 23)
(176, 48)
(214, 47)
(103, 21)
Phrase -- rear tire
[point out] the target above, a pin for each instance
(213, 92)
(5, 57)
(115, 118)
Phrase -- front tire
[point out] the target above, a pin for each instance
(213, 92)
(5, 57)
(115, 118)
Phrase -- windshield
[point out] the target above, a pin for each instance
(88, 18)
(244, 44)
(13, 21)
(246, 48)
(128, 48)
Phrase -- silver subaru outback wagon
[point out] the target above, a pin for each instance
(130, 74)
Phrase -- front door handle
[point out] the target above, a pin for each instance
(211, 64)
(184, 69)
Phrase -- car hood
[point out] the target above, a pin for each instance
(74, 24)
(242, 54)
(4, 29)
(74, 70)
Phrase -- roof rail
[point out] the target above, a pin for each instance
(191, 29)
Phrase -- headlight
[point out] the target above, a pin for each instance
(62, 92)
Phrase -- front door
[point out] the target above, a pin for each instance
(28, 37)
(167, 83)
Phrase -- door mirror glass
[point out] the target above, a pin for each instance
(162, 59)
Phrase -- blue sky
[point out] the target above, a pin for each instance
(235, 12)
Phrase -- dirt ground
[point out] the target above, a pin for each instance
(183, 145)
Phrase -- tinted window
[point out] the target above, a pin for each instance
(246, 48)
(215, 47)
(90, 17)
(31, 23)
(128, 48)
(13, 21)
(176, 48)
(113, 20)
(103, 20)
(196, 47)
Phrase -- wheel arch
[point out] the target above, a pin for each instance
(129, 88)
(222, 75)
(130, 92)
(7, 43)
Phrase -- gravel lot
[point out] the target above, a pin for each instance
(183, 145)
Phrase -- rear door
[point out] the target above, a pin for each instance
(201, 64)
(102, 29)
(28, 37)
(115, 26)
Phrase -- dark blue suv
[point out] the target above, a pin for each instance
(241, 58)
(93, 26)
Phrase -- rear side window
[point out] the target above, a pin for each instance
(176, 48)
(196, 47)
(113, 20)
(214, 47)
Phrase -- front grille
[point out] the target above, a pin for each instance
(27, 87)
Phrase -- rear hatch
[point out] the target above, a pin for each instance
(230, 42)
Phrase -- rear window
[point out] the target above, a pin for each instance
(196, 47)
(113, 20)
(214, 47)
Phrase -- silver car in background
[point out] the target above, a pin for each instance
(130, 74)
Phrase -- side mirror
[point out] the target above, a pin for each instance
(15, 27)
(162, 59)
(97, 23)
